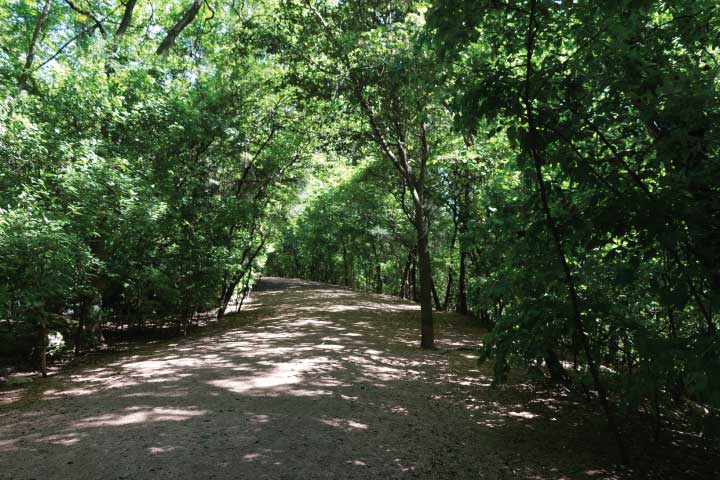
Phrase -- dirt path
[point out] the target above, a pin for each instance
(312, 381)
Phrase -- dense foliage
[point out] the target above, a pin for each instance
(548, 167)
(135, 190)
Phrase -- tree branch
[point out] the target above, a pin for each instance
(186, 20)
(124, 23)
(30, 57)
(86, 13)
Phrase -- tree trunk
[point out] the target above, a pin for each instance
(461, 306)
(378, 279)
(173, 33)
(405, 282)
(413, 281)
(448, 289)
(427, 335)
(463, 218)
(249, 257)
(557, 371)
(378, 270)
(124, 23)
(82, 320)
(346, 266)
(245, 289)
(227, 296)
(30, 57)
(435, 296)
(534, 151)
(43, 347)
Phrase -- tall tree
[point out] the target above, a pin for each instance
(370, 46)
(33, 45)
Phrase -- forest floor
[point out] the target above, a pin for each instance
(309, 381)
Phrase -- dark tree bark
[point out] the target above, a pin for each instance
(173, 33)
(413, 280)
(43, 334)
(463, 217)
(557, 371)
(84, 308)
(246, 289)
(405, 281)
(124, 23)
(435, 296)
(448, 289)
(426, 322)
(451, 270)
(461, 306)
(378, 270)
(32, 48)
(346, 266)
(247, 260)
(378, 279)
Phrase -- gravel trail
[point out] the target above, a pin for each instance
(310, 381)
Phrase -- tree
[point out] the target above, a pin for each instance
(590, 117)
(390, 80)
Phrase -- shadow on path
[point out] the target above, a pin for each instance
(319, 382)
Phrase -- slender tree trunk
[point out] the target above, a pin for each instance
(555, 368)
(223, 294)
(423, 253)
(32, 48)
(82, 320)
(346, 266)
(43, 346)
(227, 295)
(378, 270)
(378, 279)
(533, 140)
(119, 35)
(246, 289)
(463, 218)
(448, 289)
(435, 296)
(413, 280)
(461, 306)
(573, 297)
(405, 282)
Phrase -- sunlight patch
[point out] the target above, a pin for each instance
(157, 450)
(140, 415)
(347, 425)
(522, 415)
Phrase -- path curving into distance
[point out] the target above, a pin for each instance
(309, 381)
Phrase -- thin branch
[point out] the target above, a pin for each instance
(71, 40)
(86, 13)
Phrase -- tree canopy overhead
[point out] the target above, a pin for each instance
(549, 168)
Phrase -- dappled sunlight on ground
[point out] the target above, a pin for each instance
(344, 424)
(316, 382)
(140, 415)
(9, 397)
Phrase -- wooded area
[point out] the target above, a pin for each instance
(548, 167)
